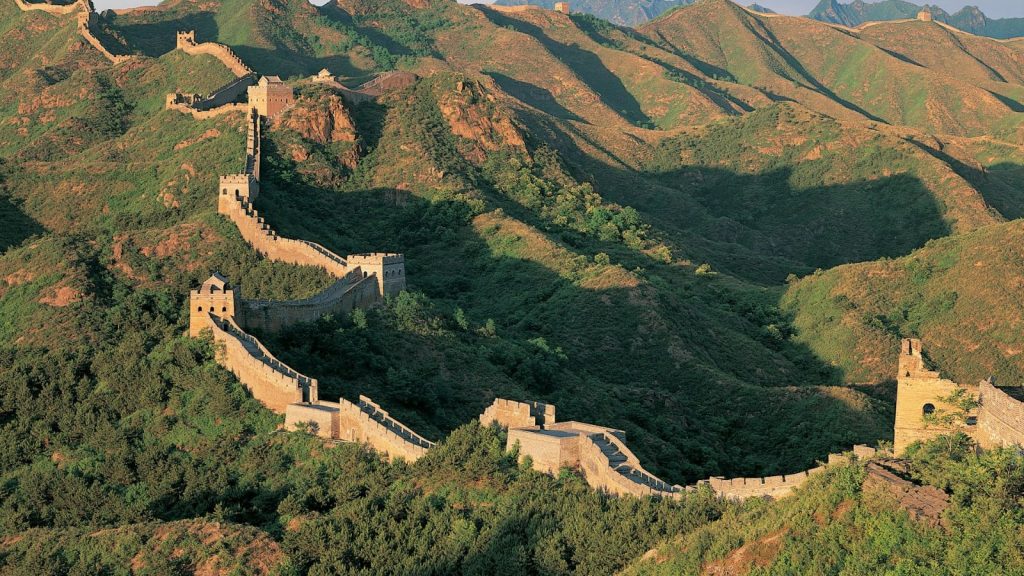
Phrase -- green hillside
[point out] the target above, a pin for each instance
(709, 232)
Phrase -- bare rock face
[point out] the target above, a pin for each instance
(472, 115)
(323, 120)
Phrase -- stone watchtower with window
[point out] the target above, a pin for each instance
(215, 297)
(918, 394)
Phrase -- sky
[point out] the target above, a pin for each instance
(992, 8)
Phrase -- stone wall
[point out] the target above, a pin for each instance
(269, 380)
(1000, 417)
(186, 42)
(87, 22)
(512, 414)
(365, 423)
(203, 114)
(55, 9)
(218, 102)
(341, 298)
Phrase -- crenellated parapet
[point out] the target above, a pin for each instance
(610, 466)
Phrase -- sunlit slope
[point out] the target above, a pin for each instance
(831, 70)
(959, 294)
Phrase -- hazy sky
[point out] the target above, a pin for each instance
(993, 8)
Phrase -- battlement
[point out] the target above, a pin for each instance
(512, 414)
(186, 42)
(389, 269)
(55, 8)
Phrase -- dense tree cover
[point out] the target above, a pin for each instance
(143, 427)
(835, 526)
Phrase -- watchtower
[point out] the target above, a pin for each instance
(214, 297)
(270, 96)
(562, 7)
(925, 15)
(388, 268)
(186, 39)
(918, 394)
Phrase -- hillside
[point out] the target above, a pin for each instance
(708, 232)
(969, 18)
(617, 12)
(858, 521)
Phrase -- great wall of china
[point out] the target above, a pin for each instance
(88, 22)
(364, 280)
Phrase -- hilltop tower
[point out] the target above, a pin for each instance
(186, 39)
(562, 7)
(925, 15)
(215, 297)
(918, 393)
(388, 268)
(271, 96)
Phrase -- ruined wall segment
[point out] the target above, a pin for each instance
(917, 393)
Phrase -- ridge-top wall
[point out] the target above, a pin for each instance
(342, 297)
(186, 42)
(269, 380)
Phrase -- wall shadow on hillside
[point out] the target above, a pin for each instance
(586, 65)
(17, 225)
(999, 185)
(760, 227)
(533, 95)
(154, 39)
(695, 380)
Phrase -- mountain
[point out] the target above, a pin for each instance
(709, 231)
(623, 13)
(969, 18)
(761, 9)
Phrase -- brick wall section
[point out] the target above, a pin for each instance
(186, 42)
(512, 414)
(55, 9)
(86, 23)
(364, 422)
(341, 298)
(1000, 416)
(220, 101)
(268, 379)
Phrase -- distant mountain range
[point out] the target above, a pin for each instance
(969, 18)
(637, 12)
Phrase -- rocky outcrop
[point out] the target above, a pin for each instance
(471, 115)
(323, 120)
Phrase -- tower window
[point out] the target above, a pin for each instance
(928, 408)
